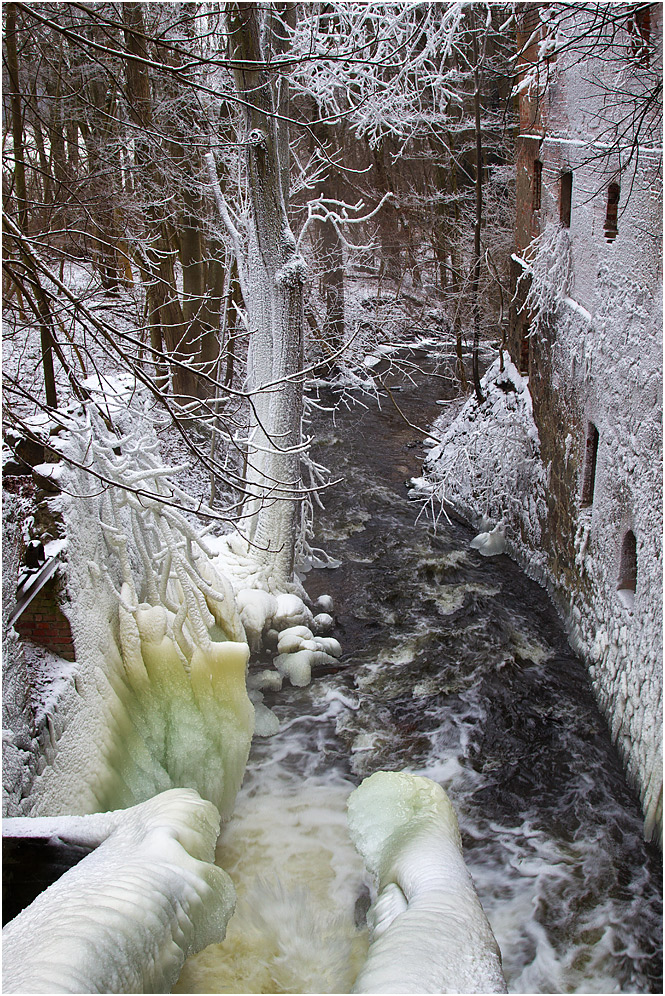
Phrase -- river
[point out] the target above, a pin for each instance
(455, 667)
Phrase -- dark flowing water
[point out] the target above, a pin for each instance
(455, 667)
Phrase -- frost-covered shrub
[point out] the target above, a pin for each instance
(487, 461)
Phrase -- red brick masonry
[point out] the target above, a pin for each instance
(44, 623)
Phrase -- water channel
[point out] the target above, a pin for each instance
(455, 667)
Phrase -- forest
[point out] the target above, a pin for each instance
(271, 358)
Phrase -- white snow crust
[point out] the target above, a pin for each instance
(128, 915)
(429, 933)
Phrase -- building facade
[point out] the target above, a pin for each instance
(586, 328)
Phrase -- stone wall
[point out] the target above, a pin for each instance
(594, 361)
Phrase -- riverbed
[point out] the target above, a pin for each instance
(455, 667)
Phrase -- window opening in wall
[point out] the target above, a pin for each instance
(590, 457)
(639, 28)
(628, 570)
(537, 183)
(612, 215)
(566, 198)
(524, 348)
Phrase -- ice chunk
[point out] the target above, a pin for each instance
(293, 639)
(291, 611)
(269, 680)
(257, 608)
(322, 623)
(298, 667)
(267, 723)
(329, 646)
(128, 915)
(490, 544)
(430, 934)
(324, 603)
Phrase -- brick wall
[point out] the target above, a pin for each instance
(43, 622)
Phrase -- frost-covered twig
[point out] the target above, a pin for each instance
(549, 269)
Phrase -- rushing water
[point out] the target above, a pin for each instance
(455, 667)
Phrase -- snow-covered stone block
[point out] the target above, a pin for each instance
(128, 915)
(428, 931)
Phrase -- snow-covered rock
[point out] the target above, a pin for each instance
(322, 622)
(324, 603)
(298, 667)
(491, 543)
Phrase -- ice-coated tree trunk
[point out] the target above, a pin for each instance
(275, 274)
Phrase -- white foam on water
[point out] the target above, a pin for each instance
(298, 879)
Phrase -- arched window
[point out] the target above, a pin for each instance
(612, 215)
(628, 569)
(590, 456)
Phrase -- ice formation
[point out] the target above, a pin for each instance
(157, 699)
(267, 612)
(429, 933)
(490, 543)
(128, 915)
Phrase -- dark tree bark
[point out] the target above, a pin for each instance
(163, 293)
(16, 104)
(475, 283)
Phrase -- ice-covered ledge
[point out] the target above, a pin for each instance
(428, 931)
(128, 915)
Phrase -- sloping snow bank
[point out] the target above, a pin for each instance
(486, 462)
(128, 915)
(429, 933)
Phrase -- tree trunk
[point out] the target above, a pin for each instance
(475, 284)
(388, 220)
(165, 298)
(276, 273)
(39, 142)
(17, 118)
